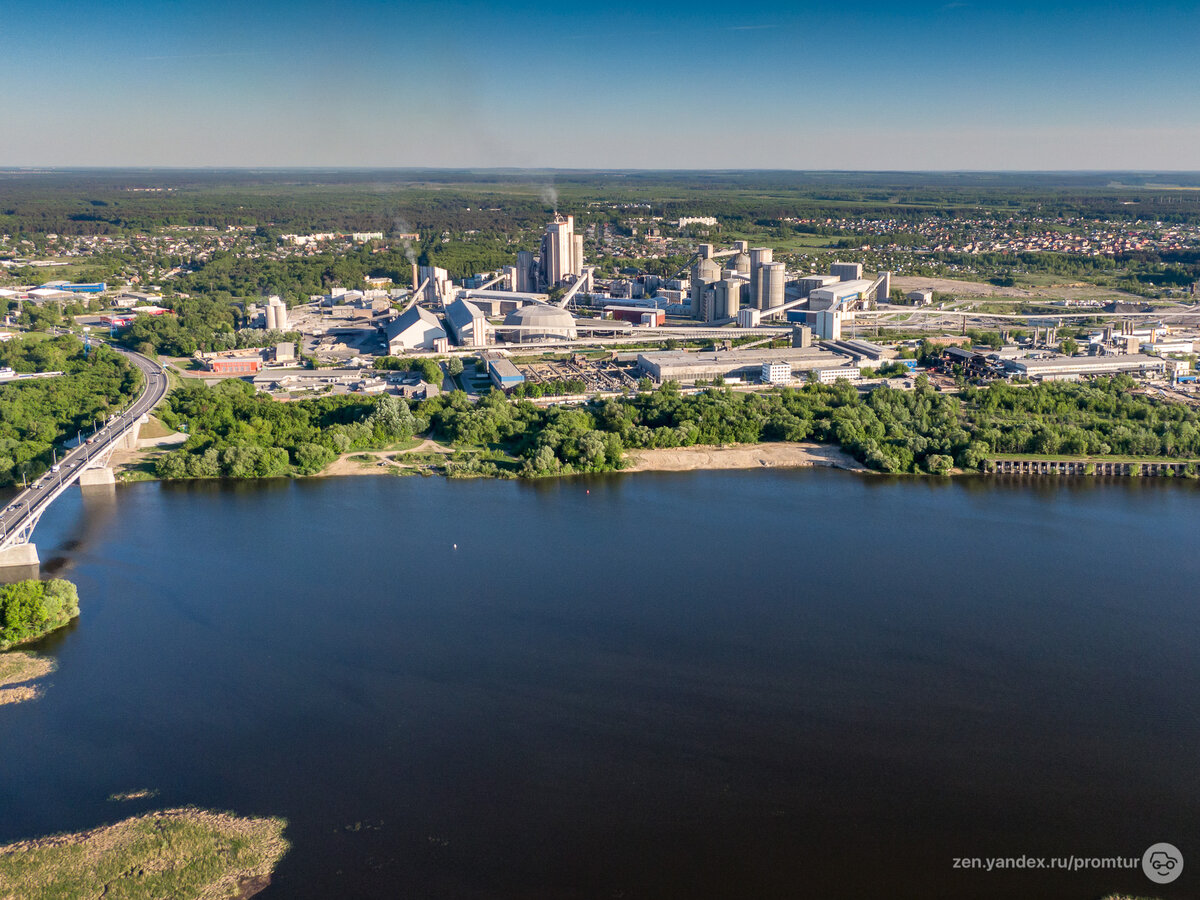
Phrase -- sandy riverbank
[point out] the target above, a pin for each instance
(17, 669)
(742, 456)
(190, 854)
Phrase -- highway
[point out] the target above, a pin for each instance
(18, 519)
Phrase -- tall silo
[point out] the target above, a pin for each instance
(704, 273)
(773, 278)
(759, 257)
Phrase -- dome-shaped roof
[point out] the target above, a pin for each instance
(538, 322)
(741, 263)
(708, 270)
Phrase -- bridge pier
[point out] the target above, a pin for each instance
(98, 476)
(19, 555)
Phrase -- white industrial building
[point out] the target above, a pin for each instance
(1071, 368)
(416, 329)
(830, 374)
(468, 324)
(776, 373)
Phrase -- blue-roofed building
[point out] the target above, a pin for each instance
(504, 374)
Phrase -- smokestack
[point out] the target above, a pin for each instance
(416, 283)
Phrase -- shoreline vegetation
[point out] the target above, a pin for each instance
(17, 670)
(231, 432)
(31, 609)
(187, 853)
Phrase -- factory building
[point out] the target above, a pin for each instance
(504, 374)
(537, 322)
(922, 297)
(839, 294)
(1071, 368)
(776, 373)
(638, 315)
(747, 365)
(234, 365)
(467, 324)
(562, 251)
(846, 271)
(831, 374)
(416, 329)
(526, 274)
(501, 303)
(438, 285)
(809, 283)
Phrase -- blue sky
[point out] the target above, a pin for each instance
(940, 85)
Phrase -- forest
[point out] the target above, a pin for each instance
(236, 433)
(38, 414)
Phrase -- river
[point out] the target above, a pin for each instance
(712, 684)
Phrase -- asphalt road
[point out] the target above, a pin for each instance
(40, 493)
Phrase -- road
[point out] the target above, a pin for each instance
(28, 506)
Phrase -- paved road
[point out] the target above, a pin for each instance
(32, 501)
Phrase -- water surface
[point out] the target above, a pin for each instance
(727, 684)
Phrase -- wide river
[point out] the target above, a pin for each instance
(769, 684)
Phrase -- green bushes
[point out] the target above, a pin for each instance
(30, 609)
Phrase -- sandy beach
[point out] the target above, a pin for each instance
(742, 456)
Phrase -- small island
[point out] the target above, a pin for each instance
(32, 609)
(190, 854)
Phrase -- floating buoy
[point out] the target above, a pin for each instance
(456, 546)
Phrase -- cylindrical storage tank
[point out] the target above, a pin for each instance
(741, 263)
(759, 257)
(774, 278)
(281, 317)
(704, 273)
(271, 317)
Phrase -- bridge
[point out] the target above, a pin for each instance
(87, 464)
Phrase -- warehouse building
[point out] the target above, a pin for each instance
(504, 374)
(468, 324)
(747, 365)
(417, 329)
(1072, 368)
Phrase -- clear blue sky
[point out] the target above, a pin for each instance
(923, 85)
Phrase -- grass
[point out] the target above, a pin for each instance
(17, 668)
(189, 854)
(154, 428)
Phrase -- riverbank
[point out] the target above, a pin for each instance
(17, 670)
(191, 854)
(428, 454)
(742, 456)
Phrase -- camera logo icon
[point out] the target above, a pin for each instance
(1162, 863)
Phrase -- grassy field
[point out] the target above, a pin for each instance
(16, 670)
(184, 854)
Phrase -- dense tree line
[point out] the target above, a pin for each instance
(237, 433)
(30, 609)
(37, 414)
(234, 432)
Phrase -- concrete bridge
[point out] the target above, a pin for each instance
(87, 464)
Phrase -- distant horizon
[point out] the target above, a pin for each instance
(134, 167)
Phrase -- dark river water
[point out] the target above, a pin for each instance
(738, 684)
